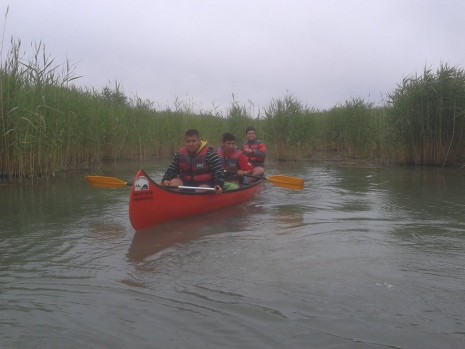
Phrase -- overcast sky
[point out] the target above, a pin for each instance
(322, 52)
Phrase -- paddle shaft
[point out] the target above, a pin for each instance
(193, 188)
(282, 181)
(253, 176)
(110, 182)
(245, 175)
(185, 187)
(277, 178)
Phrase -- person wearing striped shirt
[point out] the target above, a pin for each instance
(195, 164)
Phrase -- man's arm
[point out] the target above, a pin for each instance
(173, 169)
(214, 163)
(246, 149)
(261, 151)
(245, 165)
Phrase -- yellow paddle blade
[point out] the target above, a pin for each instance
(106, 182)
(287, 182)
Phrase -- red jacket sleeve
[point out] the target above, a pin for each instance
(244, 164)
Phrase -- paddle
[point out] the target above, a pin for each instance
(114, 183)
(282, 181)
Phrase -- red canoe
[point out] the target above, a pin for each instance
(151, 204)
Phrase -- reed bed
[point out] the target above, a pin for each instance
(47, 125)
(290, 129)
(426, 121)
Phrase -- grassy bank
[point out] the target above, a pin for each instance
(47, 125)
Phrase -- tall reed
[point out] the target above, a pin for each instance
(289, 126)
(427, 117)
(352, 128)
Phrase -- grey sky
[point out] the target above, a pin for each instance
(202, 51)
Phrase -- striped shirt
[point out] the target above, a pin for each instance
(214, 164)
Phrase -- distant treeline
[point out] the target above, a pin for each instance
(48, 125)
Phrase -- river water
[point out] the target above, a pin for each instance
(363, 257)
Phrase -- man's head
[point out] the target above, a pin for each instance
(192, 141)
(229, 142)
(250, 133)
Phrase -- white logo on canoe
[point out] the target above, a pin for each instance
(141, 183)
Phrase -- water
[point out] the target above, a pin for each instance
(363, 257)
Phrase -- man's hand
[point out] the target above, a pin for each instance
(218, 189)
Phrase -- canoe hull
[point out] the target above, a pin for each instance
(151, 204)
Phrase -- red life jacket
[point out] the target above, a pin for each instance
(254, 160)
(194, 168)
(230, 164)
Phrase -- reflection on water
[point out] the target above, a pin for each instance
(363, 257)
(287, 218)
(155, 239)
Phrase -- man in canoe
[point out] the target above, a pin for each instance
(195, 164)
(255, 150)
(236, 165)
